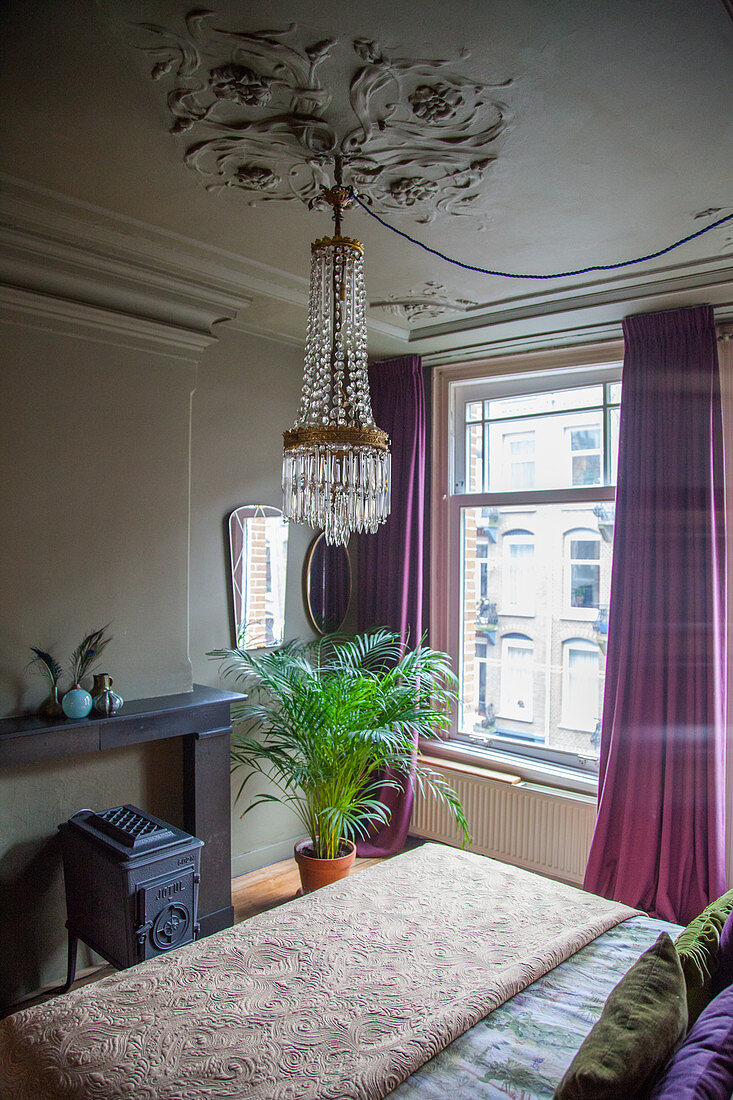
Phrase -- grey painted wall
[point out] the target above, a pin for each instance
(95, 498)
(246, 396)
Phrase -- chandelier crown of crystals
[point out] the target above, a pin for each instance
(336, 465)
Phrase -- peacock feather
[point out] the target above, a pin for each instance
(47, 664)
(87, 653)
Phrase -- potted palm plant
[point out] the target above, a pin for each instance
(330, 724)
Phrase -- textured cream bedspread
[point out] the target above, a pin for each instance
(339, 994)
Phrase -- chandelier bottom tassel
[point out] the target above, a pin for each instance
(339, 487)
(336, 462)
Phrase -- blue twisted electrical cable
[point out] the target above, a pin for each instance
(557, 274)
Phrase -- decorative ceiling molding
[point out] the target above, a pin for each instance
(41, 263)
(269, 110)
(525, 344)
(55, 247)
(705, 280)
(32, 309)
(716, 211)
(66, 248)
(118, 275)
(570, 321)
(432, 300)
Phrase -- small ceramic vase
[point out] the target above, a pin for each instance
(76, 703)
(106, 701)
(51, 708)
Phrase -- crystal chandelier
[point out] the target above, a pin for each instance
(336, 462)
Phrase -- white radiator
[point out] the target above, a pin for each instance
(524, 824)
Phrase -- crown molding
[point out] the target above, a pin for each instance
(242, 324)
(546, 340)
(560, 337)
(571, 315)
(709, 275)
(66, 248)
(32, 309)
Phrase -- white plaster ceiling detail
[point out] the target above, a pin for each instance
(620, 133)
(727, 231)
(430, 300)
(268, 111)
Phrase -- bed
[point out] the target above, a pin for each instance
(436, 973)
(522, 1049)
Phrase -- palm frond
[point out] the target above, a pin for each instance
(329, 723)
(432, 782)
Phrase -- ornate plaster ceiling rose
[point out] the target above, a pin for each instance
(268, 112)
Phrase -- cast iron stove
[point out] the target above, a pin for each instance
(131, 885)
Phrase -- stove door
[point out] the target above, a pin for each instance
(167, 908)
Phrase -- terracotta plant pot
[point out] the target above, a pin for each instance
(315, 873)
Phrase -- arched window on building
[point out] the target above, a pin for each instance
(581, 676)
(518, 581)
(517, 677)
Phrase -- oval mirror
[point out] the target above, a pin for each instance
(326, 585)
(258, 544)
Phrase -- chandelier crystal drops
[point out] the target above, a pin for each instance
(336, 463)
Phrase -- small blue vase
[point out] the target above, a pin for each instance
(77, 703)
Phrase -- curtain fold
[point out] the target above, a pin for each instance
(659, 837)
(391, 562)
(725, 359)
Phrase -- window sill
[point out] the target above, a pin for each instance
(562, 780)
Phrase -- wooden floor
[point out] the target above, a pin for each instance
(268, 887)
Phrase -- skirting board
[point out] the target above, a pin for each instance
(263, 857)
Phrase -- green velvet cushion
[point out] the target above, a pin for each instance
(698, 948)
(643, 1020)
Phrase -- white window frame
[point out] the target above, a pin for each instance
(589, 614)
(511, 374)
(481, 663)
(587, 452)
(568, 716)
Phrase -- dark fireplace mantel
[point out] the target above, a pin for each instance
(202, 719)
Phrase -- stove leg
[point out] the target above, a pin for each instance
(71, 967)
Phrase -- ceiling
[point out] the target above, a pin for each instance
(518, 135)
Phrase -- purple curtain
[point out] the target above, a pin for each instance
(390, 574)
(659, 837)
